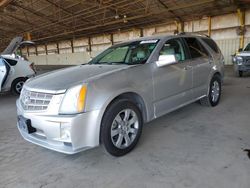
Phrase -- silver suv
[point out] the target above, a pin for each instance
(242, 61)
(107, 100)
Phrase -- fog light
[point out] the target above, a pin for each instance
(65, 133)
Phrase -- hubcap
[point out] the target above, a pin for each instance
(215, 91)
(124, 128)
(19, 86)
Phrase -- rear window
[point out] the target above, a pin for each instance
(211, 44)
(11, 61)
(195, 48)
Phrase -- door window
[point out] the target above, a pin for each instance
(247, 47)
(174, 47)
(196, 49)
(211, 44)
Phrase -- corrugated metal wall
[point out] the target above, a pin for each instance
(223, 32)
(228, 48)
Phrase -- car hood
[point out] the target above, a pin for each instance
(244, 54)
(60, 80)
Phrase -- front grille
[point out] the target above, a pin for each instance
(34, 101)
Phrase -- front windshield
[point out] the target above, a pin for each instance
(247, 47)
(130, 53)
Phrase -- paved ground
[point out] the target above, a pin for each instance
(197, 147)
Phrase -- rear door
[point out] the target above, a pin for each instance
(3, 72)
(201, 63)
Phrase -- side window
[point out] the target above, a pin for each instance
(211, 44)
(247, 47)
(11, 62)
(174, 47)
(196, 49)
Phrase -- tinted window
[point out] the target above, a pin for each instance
(195, 48)
(247, 47)
(174, 47)
(212, 45)
(11, 62)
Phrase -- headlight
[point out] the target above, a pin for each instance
(239, 60)
(74, 100)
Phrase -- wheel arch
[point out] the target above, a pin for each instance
(217, 73)
(131, 96)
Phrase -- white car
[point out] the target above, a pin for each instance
(14, 69)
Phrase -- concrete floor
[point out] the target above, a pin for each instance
(197, 147)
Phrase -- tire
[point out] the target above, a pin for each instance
(240, 73)
(17, 85)
(214, 94)
(120, 133)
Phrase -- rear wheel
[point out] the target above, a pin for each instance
(214, 95)
(17, 85)
(121, 127)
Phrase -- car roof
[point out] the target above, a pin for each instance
(160, 37)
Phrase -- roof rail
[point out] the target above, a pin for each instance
(193, 33)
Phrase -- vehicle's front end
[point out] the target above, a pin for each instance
(242, 63)
(57, 119)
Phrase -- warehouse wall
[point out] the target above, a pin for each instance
(81, 50)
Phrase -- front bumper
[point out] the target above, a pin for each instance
(244, 68)
(84, 130)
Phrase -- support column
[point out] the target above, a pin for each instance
(179, 26)
(209, 26)
(112, 39)
(57, 48)
(89, 44)
(141, 32)
(72, 46)
(36, 50)
(28, 36)
(241, 15)
(46, 49)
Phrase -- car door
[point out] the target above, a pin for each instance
(172, 83)
(3, 72)
(202, 66)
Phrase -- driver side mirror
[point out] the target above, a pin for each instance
(240, 50)
(165, 60)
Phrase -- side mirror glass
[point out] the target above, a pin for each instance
(166, 60)
(240, 50)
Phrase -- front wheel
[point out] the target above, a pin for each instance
(214, 94)
(121, 127)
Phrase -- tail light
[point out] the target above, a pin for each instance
(32, 66)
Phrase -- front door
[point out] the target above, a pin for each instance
(172, 83)
(3, 72)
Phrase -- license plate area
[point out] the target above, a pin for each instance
(25, 125)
